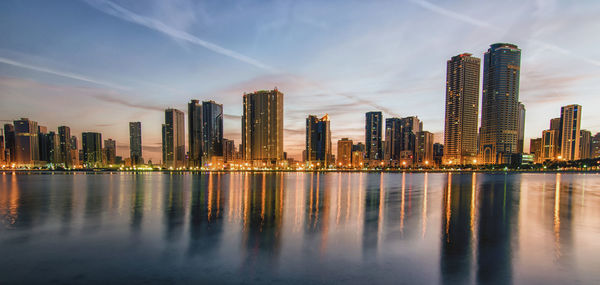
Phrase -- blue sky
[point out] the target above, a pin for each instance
(96, 65)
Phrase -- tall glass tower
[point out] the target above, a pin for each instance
(500, 105)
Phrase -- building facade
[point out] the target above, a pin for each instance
(462, 109)
(424, 149)
(262, 127)
(135, 143)
(498, 134)
(521, 128)
(195, 133)
(585, 144)
(318, 141)
(393, 141)
(535, 148)
(212, 131)
(549, 145)
(570, 121)
(27, 152)
(173, 139)
(9, 143)
(373, 136)
(110, 152)
(64, 136)
(595, 152)
(91, 145)
(344, 153)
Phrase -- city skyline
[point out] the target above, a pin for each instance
(102, 81)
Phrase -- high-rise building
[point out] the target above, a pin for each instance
(424, 148)
(462, 109)
(9, 143)
(53, 148)
(585, 144)
(393, 140)
(195, 133)
(135, 143)
(2, 151)
(499, 113)
(570, 118)
(110, 151)
(74, 151)
(410, 127)
(26, 142)
(535, 148)
(43, 144)
(212, 131)
(373, 136)
(173, 139)
(344, 152)
(262, 127)
(229, 154)
(438, 153)
(549, 145)
(318, 141)
(358, 155)
(64, 135)
(595, 152)
(521, 128)
(91, 144)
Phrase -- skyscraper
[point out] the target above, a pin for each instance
(358, 155)
(344, 152)
(27, 150)
(424, 148)
(74, 151)
(9, 143)
(228, 150)
(64, 135)
(535, 148)
(43, 144)
(91, 144)
(173, 139)
(135, 142)
(462, 109)
(2, 150)
(195, 133)
(549, 145)
(110, 151)
(585, 144)
(393, 140)
(570, 119)
(595, 152)
(212, 131)
(373, 136)
(410, 127)
(521, 128)
(262, 127)
(318, 141)
(499, 113)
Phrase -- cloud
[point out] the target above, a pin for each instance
(59, 73)
(232, 117)
(451, 14)
(106, 97)
(120, 12)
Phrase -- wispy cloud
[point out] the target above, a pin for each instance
(120, 12)
(454, 15)
(59, 73)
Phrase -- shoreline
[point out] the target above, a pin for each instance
(108, 171)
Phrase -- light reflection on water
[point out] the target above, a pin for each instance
(300, 228)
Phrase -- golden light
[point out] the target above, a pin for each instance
(426, 161)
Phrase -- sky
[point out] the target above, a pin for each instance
(95, 65)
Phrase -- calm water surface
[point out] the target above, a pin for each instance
(356, 228)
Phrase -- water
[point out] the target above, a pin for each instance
(304, 228)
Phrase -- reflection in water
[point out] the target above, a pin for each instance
(457, 230)
(301, 227)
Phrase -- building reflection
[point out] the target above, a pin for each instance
(457, 228)
(372, 222)
(262, 218)
(318, 200)
(9, 200)
(137, 202)
(562, 220)
(174, 211)
(498, 206)
(206, 213)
